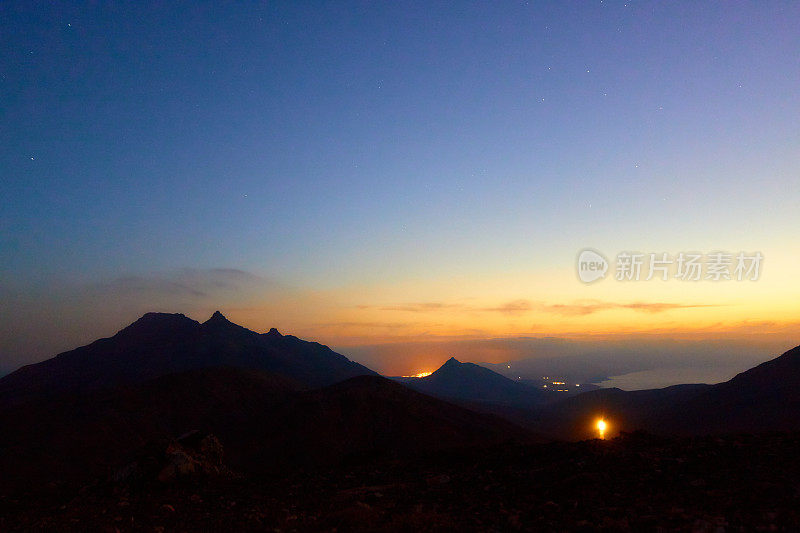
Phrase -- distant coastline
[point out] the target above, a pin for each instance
(664, 377)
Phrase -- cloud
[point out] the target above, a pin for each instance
(421, 307)
(189, 282)
(516, 307)
(138, 284)
(372, 325)
(511, 308)
(586, 308)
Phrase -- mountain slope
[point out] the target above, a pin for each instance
(264, 421)
(160, 343)
(473, 383)
(764, 398)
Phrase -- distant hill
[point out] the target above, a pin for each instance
(265, 422)
(472, 383)
(159, 343)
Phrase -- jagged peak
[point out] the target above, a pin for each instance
(273, 332)
(217, 317)
(218, 323)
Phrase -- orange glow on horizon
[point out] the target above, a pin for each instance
(418, 323)
(420, 375)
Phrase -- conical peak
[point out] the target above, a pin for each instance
(218, 316)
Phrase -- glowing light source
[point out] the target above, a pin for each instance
(601, 428)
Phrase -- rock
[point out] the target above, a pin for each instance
(194, 454)
(211, 448)
(179, 464)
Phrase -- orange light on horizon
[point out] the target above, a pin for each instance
(420, 375)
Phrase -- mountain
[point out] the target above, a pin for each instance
(159, 343)
(266, 423)
(764, 398)
(472, 383)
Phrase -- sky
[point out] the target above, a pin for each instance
(403, 181)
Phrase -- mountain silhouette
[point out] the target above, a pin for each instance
(161, 343)
(469, 382)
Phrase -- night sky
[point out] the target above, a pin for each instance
(375, 175)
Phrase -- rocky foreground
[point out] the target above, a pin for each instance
(635, 482)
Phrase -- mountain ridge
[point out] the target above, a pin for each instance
(162, 343)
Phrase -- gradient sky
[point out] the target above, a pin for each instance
(368, 174)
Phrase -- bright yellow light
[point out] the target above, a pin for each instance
(601, 428)
(420, 375)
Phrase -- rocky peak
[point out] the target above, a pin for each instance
(217, 317)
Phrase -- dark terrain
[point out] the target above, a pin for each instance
(175, 425)
(634, 483)
(267, 425)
